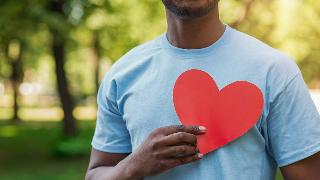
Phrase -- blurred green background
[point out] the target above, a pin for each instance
(54, 53)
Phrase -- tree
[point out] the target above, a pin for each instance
(14, 53)
(12, 42)
(55, 16)
(55, 7)
(118, 26)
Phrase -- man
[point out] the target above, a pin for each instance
(139, 135)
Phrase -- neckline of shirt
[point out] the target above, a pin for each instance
(190, 53)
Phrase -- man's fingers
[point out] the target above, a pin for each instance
(167, 130)
(179, 138)
(180, 161)
(179, 151)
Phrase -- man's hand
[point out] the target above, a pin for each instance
(165, 148)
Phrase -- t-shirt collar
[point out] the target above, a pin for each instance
(189, 53)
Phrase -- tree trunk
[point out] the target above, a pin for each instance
(15, 87)
(58, 50)
(15, 80)
(97, 58)
(16, 76)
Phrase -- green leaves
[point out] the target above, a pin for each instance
(291, 26)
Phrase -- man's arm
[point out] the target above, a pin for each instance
(308, 168)
(165, 148)
(104, 165)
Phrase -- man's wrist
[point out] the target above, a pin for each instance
(129, 169)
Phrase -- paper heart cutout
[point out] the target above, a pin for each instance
(227, 114)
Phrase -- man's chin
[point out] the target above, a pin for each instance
(192, 13)
(189, 9)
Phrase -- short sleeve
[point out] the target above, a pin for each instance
(293, 124)
(111, 134)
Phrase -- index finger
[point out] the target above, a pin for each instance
(196, 130)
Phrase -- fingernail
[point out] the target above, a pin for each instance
(202, 128)
(200, 155)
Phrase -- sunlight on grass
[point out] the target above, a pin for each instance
(49, 113)
(40, 114)
(8, 131)
(6, 113)
(85, 112)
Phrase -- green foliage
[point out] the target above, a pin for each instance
(72, 147)
(120, 25)
(288, 25)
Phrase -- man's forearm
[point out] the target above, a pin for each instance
(102, 173)
(122, 171)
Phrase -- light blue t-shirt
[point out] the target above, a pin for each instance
(135, 98)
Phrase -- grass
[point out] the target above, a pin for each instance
(31, 151)
(35, 150)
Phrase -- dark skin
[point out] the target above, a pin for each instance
(191, 25)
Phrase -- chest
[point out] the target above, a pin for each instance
(148, 103)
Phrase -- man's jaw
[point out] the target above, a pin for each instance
(189, 9)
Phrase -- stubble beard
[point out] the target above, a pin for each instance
(185, 13)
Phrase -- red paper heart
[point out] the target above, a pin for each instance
(227, 114)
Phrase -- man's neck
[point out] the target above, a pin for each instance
(194, 33)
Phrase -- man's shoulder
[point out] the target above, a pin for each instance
(252, 46)
(260, 53)
(137, 55)
(146, 49)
